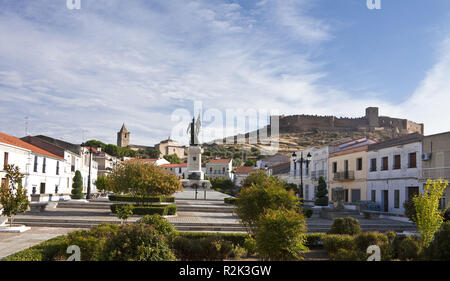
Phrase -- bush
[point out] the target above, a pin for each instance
(211, 248)
(439, 248)
(150, 199)
(410, 210)
(307, 212)
(238, 252)
(77, 186)
(314, 240)
(160, 224)
(347, 255)
(407, 247)
(322, 191)
(250, 245)
(333, 242)
(162, 210)
(346, 225)
(234, 238)
(124, 211)
(137, 242)
(230, 200)
(264, 193)
(281, 236)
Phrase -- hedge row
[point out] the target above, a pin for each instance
(230, 200)
(151, 199)
(162, 210)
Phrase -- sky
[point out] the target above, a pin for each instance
(79, 74)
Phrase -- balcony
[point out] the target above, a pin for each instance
(343, 176)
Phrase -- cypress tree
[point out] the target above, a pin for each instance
(77, 186)
(322, 191)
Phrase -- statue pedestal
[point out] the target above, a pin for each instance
(194, 177)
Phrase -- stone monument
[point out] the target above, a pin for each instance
(194, 177)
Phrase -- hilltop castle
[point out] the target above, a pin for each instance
(369, 123)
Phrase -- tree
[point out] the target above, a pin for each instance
(172, 158)
(322, 191)
(13, 196)
(102, 183)
(428, 216)
(77, 186)
(143, 180)
(261, 193)
(124, 211)
(281, 235)
(250, 163)
(222, 184)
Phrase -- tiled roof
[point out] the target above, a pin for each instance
(244, 170)
(150, 160)
(219, 161)
(174, 165)
(20, 143)
(414, 137)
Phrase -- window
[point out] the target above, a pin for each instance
(412, 160)
(374, 196)
(385, 165)
(334, 167)
(5, 160)
(35, 164)
(397, 162)
(57, 168)
(397, 198)
(42, 189)
(43, 165)
(56, 189)
(359, 164)
(373, 164)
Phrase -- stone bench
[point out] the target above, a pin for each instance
(38, 207)
(370, 214)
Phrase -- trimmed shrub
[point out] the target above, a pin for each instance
(333, 242)
(162, 210)
(234, 238)
(137, 242)
(230, 200)
(314, 240)
(211, 248)
(410, 210)
(281, 236)
(151, 199)
(160, 224)
(347, 255)
(346, 225)
(172, 210)
(439, 248)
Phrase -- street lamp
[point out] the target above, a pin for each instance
(301, 161)
(88, 193)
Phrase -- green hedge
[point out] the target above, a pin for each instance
(151, 199)
(230, 200)
(162, 210)
(235, 238)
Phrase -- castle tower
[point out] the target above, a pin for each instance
(372, 117)
(123, 137)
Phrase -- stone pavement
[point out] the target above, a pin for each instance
(11, 243)
(189, 194)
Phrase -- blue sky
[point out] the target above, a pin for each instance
(79, 74)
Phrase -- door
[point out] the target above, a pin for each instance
(385, 201)
(412, 190)
(356, 195)
(42, 190)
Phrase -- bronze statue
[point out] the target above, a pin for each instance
(194, 129)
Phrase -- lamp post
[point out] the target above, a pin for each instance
(301, 161)
(88, 193)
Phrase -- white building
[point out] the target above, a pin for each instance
(44, 172)
(315, 164)
(242, 173)
(393, 172)
(76, 158)
(220, 168)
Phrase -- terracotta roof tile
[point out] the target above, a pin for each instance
(244, 170)
(219, 161)
(20, 143)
